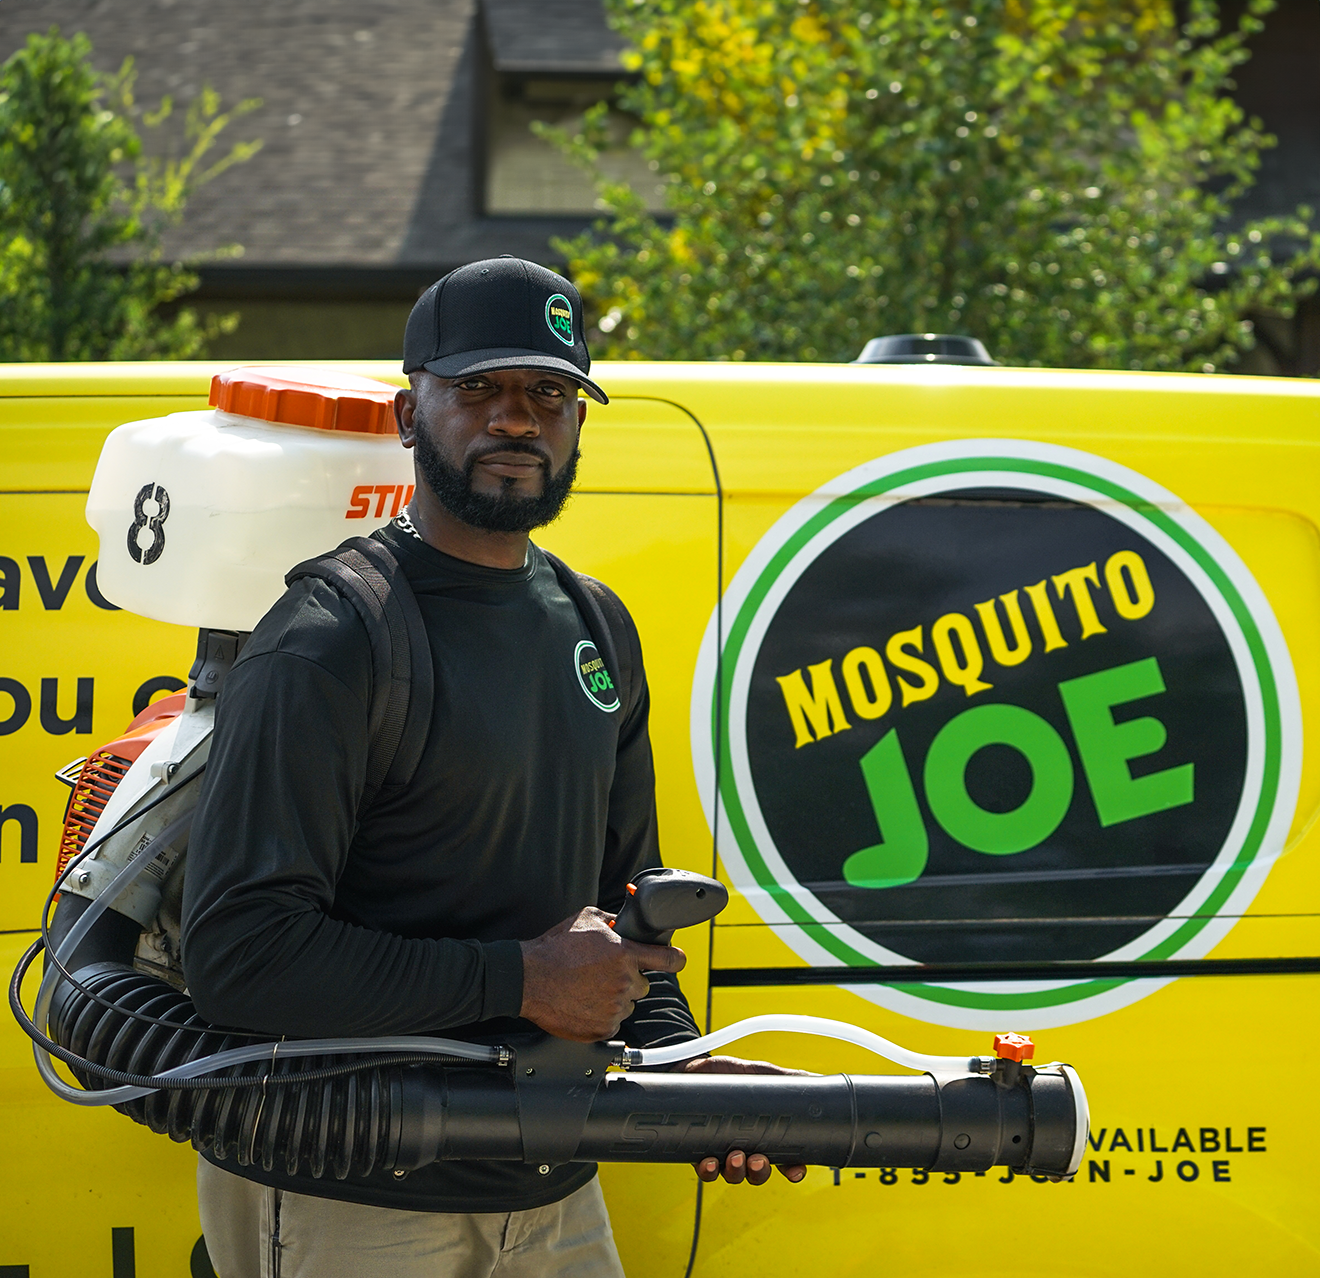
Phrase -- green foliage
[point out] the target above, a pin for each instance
(1054, 177)
(83, 210)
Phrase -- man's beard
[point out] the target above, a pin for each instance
(505, 511)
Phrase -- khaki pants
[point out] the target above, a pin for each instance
(255, 1232)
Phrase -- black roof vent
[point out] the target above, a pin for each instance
(924, 348)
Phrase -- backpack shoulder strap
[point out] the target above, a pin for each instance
(627, 644)
(609, 625)
(366, 573)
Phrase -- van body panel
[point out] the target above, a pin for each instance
(690, 484)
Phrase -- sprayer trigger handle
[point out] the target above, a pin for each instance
(661, 900)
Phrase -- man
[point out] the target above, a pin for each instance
(469, 903)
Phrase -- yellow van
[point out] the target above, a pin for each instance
(990, 692)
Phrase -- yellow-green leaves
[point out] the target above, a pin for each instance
(1051, 177)
(82, 210)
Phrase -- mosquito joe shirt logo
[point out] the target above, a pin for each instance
(994, 700)
(594, 678)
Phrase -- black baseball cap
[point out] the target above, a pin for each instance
(503, 312)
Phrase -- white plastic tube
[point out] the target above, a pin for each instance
(816, 1025)
(52, 976)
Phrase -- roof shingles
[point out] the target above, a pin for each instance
(367, 119)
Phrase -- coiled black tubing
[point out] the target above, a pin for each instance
(343, 1124)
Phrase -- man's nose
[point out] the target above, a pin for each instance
(512, 413)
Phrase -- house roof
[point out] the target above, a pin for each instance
(370, 116)
(556, 36)
(369, 155)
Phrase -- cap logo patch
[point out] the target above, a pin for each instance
(559, 318)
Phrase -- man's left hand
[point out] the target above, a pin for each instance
(739, 1166)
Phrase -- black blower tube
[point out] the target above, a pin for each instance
(555, 1104)
(969, 1123)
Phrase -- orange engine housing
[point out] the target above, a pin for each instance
(105, 769)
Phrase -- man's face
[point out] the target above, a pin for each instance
(499, 450)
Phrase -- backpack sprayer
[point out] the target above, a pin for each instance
(113, 1007)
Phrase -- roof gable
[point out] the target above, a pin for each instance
(557, 36)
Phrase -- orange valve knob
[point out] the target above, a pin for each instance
(1014, 1047)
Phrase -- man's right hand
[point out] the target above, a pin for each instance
(581, 978)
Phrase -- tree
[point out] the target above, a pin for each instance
(1053, 176)
(83, 210)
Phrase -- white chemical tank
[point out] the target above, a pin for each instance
(201, 514)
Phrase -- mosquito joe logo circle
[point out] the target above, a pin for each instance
(992, 701)
(559, 318)
(594, 678)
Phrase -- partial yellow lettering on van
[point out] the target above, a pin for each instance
(964, 671)
(1133, 596)
(994, 632)
(820, 706)
(1074, 582)
(867, 704)
(1045, 618)
(901, 650)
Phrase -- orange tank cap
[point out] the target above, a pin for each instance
(294, 395)
(1014, 1047)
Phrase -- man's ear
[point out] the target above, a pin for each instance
(405, 405)
(582, 411)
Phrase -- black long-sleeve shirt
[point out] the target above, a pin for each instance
(528, 804)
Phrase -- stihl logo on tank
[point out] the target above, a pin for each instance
(994, 701)
(387, 499)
